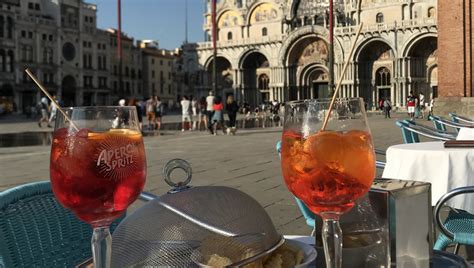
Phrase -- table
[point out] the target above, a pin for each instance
(465, 134)
(444, 168)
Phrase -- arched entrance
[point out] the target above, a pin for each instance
(307, 62)
(422, 62)
(69, 90)
(383, 82)
(224, 76)
(263, 87)
(317, 82)
(255, 66)
(374, 72)
(6, 99)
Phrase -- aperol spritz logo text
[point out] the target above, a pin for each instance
(117, 158)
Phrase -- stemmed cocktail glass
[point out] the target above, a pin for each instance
(98, 168)
(328, 169)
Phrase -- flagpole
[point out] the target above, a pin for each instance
(119, 44)
(331, 46)
(214, 47)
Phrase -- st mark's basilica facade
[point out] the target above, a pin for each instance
(278, 50)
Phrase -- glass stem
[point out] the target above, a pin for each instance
(101, 247)
(332, 241)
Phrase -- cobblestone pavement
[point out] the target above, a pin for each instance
(246, 161)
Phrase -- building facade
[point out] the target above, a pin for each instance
(60, 42)
(158, 73)
(278, 49)
(456, 62)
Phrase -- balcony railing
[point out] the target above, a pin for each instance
(381, 27)
(37, 20)
(242, 42)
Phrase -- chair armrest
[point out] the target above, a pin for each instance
(145, 196)
(445, 198)
(429, 135)
(380, 152)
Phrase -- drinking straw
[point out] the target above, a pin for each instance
(339, 82)
(53, 101)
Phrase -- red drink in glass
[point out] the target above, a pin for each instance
(97, 175)
(329, 170)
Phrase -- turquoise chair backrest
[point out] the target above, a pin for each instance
(453, 117)
(414, 136)
(407, 135)
(36, 231)
(437, 124)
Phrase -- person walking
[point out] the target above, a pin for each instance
(194, 109)
(202, 113)
(134, 102)
(387, 107)
(411, 103)
(44, 107)
(52, 111)
(150, 112)
(217, 116)
(158, 113)
(210, 110)
(232, 108)
(185, 111)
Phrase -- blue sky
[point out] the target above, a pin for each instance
(161, 20)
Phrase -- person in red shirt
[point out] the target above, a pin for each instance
(411, 103)
(217, 118)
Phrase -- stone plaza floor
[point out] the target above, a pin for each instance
(247, 161)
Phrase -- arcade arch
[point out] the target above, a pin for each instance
(375, 68)
(255, 68)
(224, 75)
(307, 59)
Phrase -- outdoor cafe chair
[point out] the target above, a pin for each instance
(307, 213)
(460, 119)
(36, 231)
(411, 133)
(442, 124)
(458, 228)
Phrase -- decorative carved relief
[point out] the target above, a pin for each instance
(230, 18)
(315, 51)
(264, 12)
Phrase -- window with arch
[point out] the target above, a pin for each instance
(229, 36)
(264, 31)
(48, 55)
(10, 27)
(2, 60)
(383, 77)
(9, 61)
(432, 12)
(263, 82)
(2, 26)
(379, 18)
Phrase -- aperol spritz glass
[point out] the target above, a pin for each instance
(98, 168)
(328, 169)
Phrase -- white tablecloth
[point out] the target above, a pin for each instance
(465, 134)
(445, 169)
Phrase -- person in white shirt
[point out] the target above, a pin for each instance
(210, 110)
(185, 108)
(194, 108)
(52, 109)
(422, 105)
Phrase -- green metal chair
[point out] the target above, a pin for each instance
(36, 231)
(460, 119)
(458, 228)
